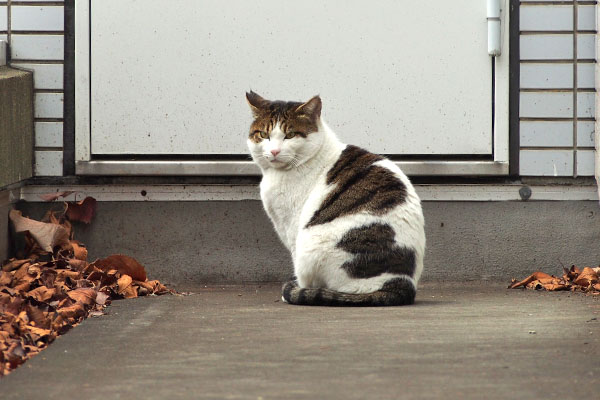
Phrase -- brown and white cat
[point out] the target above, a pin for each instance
(351, 219)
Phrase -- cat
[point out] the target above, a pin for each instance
(351, 219)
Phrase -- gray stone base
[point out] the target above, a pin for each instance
(16, 125)
(231, 242)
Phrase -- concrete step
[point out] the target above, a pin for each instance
(197, 242)
(478, 341)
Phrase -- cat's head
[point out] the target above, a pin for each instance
(284, 134)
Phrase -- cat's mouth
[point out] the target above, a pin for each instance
(278, 163)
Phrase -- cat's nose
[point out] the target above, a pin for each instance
(275, 152)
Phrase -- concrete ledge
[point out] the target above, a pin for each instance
(199, 192)
(16, 125)
(232, 241)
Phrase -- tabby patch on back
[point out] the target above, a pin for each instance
(351, 220)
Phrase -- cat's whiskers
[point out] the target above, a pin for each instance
(295, 163)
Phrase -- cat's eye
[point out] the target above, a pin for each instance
(262, 135)
(290, 135)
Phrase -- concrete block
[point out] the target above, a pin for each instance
(585, 163)
(49, 134)
(546, 47)
(546, 162)
(16, 127)
(586, 46)
(546, 18)
(37, 18)
(586, 75)
(49, 105)
(585, 133)
(586, 18)
(586, 105)
(48, 163)
(46, 76)
(546, 133)
(3, 18)
(546, 76)
(37, 47)
(546, 104)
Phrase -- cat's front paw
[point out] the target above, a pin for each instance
(287, 289)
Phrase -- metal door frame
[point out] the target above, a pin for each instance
(86, 164)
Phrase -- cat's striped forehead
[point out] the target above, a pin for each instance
(289, 119)
(292, 116)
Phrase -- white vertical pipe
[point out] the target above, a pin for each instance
(494, 29)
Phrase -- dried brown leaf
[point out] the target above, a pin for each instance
(123, 264)
(571, 273)
(14, 264)
(5, 278)
(96, 313)
(146, 285)
(42, 293)
(556, 286)
(38, 332)
(574, 278)
(85, 296)
(536, 276)
(64, 274)
(15, 305)
(79, 250)
(123, 283)
(158, 288)
(101, 298)
(47, 235)
(82, 211)
(587, 277)
(37, 316)
(130, 292)
(72, 311)
(77, 264)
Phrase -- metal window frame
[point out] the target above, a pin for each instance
(86, 164)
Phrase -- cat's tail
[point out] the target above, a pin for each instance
(395, 292)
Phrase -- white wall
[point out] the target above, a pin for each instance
(556, 98)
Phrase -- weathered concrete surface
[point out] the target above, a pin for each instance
(474, 342)
(199, 242)
(16, 125)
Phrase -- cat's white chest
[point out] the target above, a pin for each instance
(283, 200)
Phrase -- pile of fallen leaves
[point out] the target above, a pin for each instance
(574, 279)
(54, 287)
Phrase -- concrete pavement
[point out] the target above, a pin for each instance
(478, 341)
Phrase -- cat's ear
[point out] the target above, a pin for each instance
(256, 102)
(311, 107)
